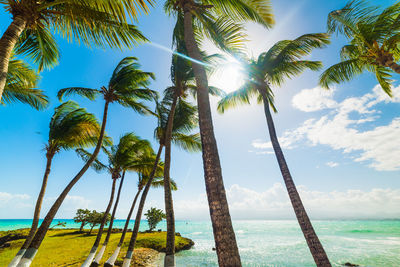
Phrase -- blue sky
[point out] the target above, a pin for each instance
(341, 146)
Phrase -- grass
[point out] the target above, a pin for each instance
(68, 247)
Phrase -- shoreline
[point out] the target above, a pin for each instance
(63, 247)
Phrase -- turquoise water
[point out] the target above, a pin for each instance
(280, 243)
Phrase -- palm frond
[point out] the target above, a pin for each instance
(259, 11)
(284, 70)
(20, 86)
(73, 127)
(39, 45)
(222, 31)
(344, 21)
(238, 97)
(85, 156)
(188, 142)
(384, 78)
(95, 24)
(89, 93)
(341, 72)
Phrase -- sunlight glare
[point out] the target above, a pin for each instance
(229, 77)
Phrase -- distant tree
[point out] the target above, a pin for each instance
(154, 216)
(82, 216)
(95, 218)
(59, 223)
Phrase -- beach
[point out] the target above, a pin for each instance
(369, 243)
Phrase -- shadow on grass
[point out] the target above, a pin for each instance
(76, 233)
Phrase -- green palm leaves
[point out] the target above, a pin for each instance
(98, 23)
(71, 127)
(129, 154)
(21, 86)
(185, 121)
(283, 60)
(373, 37)
(220, 21)
(127, 87)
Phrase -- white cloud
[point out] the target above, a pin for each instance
(332, 164)
(274, 203)
(377, 145)
(314, 99)
(265, 147)
(7, 199)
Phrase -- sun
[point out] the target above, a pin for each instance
(229, 77)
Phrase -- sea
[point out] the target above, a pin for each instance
(280, 242)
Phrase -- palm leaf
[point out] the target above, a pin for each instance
(20, 86)
(89, 93)
(340, 72)
(39, 45)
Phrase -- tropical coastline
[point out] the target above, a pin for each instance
(368, 243)
(230, 133)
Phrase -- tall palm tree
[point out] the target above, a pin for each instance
(127, 87)
(282, 60)
(186, 121)
(119, 159)
(70, 127)
(373, 45)
(143, 166)
(216, 19)
(98, 23)
(182, 78)
(21, 86)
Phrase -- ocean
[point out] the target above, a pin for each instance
(281, 243)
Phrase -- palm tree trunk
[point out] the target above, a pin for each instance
(7, 44)
(110, 262)
(393, 65)
(99, 256)
(129, 253)
(92, 252)
(41, 232)
(315, 246)
(36, 214)
(169, 260)
(224, 236)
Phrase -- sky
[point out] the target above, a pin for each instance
(341, 145)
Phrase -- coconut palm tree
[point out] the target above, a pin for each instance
(70, 127)
(282, 60)
(21, 86)
(98, 23)
(119, 157)
(373, 37)
(183, 81)
(186, 120)
(127, 87)
(217, 20)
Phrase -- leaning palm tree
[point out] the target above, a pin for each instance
(282, 60)
(119, 159)
(21, 86)
(70, 127)
(98, 23)
(217, 20)
(186, 120)
(373, 45)
(127, 87)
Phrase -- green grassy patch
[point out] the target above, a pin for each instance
(68, 247)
